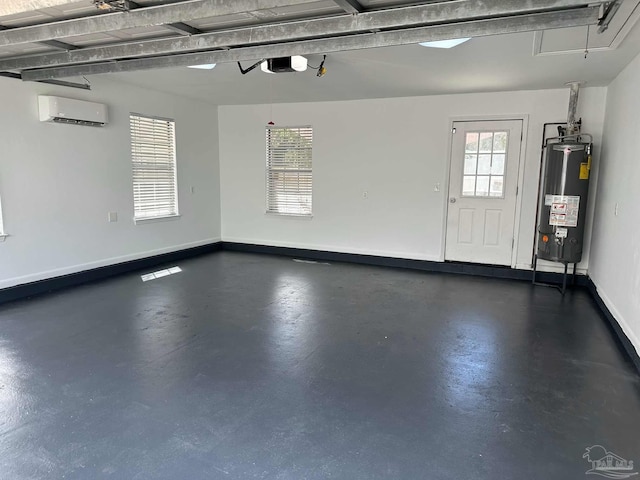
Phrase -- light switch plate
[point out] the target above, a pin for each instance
(112, 217)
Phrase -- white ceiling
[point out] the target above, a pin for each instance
(495, 63)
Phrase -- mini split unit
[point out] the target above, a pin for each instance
(68, 110)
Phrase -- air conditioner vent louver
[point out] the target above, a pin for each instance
(71, 111)
(77, 122)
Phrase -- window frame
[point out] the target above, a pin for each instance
(3, 234)
(270, 169)
(172, 132)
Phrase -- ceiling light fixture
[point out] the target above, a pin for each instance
(295, 63)
(208, 66)
(445, 43)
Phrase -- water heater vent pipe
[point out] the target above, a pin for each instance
(573, 128)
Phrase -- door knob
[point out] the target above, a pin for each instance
(452, 200)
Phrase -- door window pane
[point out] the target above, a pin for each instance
(497, 186)
(497, 164)
(486, 142)
(469, 185)
(470, 164)
(484, 164)
(482, 186)
(500, 142)
(472, 142)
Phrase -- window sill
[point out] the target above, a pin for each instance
(165, 218)
(3, 236)
(289, 215)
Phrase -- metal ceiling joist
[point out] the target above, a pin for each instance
(50, 43)
(178, 27)
(183, 28)
(141, 17)
(350, 6)
(59, 45)
(60, 83)
(417, 15)
(477, 28)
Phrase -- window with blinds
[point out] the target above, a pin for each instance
(153, 153)
(289, 172)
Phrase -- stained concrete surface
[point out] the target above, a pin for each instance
(251, 366)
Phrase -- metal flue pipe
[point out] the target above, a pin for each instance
(573, 128)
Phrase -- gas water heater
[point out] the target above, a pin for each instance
(564, 192)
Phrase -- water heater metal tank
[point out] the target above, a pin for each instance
(564, 201)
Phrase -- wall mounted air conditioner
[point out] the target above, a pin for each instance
(68, 110)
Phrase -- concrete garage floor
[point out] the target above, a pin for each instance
(251, 366)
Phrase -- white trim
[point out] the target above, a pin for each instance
(522, 164)
(3, 236)
(11, 282)
(140, 221)
(294, 216)
(522, 117)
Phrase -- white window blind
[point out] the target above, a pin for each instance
(153, 155)
(289, 170)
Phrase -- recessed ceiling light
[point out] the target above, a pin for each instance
(445, 43)
(208, 66)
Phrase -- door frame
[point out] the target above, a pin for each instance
(524, 118)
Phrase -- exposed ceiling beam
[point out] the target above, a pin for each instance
(178, 27)
(50, 43)
(142, 17)
(350, 6)
(477, 28)
(418, 15)
(60, 83)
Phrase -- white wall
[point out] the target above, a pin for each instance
(615, 265)
(394, 149)
(58, 182)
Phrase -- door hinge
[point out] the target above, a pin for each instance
(513, 242)
(453, 130)
(517, 190)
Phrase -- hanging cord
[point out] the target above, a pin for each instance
(586, 47)
(244, 71)
(320, 68)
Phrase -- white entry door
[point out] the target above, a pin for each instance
(483, 186)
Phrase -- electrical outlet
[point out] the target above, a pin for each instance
(615, 210)
(112, 217)
(365, 195)
(436, 188)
